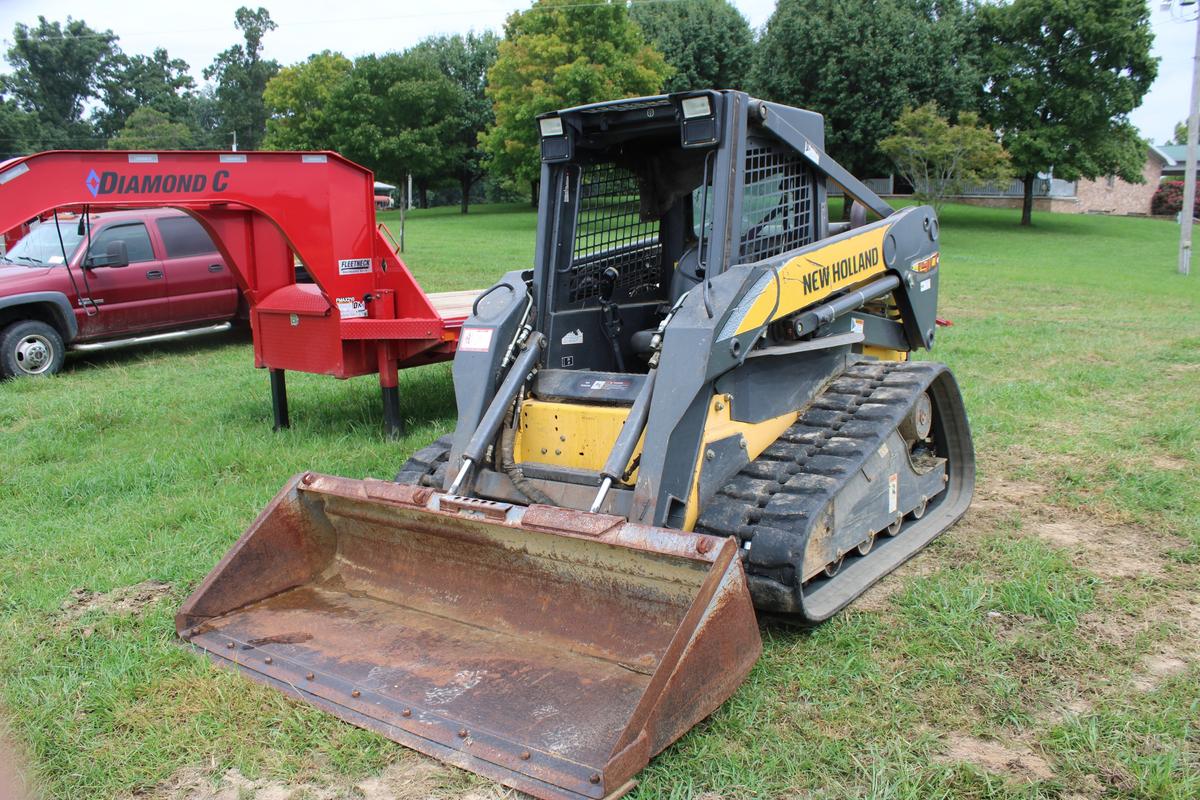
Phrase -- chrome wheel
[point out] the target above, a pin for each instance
(34, 354)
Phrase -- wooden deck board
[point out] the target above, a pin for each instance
(454, 305)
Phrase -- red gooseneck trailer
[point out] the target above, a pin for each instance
(266, 211)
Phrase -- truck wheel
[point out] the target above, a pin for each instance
(30, 348)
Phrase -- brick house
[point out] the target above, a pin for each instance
(1109, 195)
(1112, 195)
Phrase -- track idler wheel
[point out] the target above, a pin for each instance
(918, 421)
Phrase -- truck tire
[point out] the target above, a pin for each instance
(30, 348)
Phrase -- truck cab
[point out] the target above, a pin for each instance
(108, 279)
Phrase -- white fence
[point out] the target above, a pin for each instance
(1042, 187)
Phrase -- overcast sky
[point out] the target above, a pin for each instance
(196, 30)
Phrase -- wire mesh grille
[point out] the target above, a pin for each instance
(777, 206)
(609, 232)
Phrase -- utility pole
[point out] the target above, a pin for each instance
(235, 141)
(1189, 178)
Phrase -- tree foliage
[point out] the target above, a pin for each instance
(16, 129)
(56, 70)
(241, 75)
(132, 82)
(298, 100)
(862, 64)
(1180, 136)
(562, 53)
(466, 60)
(150, 129)
(940, 158)
(707, 43)
(1063, 76)
(392, 115)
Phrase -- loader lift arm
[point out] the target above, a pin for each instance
(364, 313)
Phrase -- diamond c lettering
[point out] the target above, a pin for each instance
(110, 182)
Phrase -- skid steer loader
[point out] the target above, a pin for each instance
(699, 403)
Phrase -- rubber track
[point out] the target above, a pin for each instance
(789, 486)
(427, 466)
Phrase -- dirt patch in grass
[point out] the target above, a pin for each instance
(1156, 668)
(1015, 761)
(1169, 463)
(1096, 544)
(1109, 551)
(414, 778)
(122, 601)
(14, 776)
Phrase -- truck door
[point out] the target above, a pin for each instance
(128, 298)
(200, 285)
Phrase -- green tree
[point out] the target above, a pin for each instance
(150, 129)
(204, 118)
(298, 99)
(466, 61)
(241, 76)
(132, 82)
(391, 115)
(862, 64)
(1180, 133)
(1062, 77)
(939, 158)
(18, 130)
(56, 71)
(708, 43)
(556, 54)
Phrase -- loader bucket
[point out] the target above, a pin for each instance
(551, 650)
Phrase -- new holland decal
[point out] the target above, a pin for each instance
(824, 276)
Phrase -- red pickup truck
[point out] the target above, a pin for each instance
(135, 276)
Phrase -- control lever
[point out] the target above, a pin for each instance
(610, 314)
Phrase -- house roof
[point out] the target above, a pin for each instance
(1173, 154)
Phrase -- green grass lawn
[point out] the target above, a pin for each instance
(1045, 647)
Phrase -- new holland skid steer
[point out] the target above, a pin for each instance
(700, 402)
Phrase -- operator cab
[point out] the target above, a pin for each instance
(635, 223)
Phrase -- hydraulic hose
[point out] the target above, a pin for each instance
(513, 470)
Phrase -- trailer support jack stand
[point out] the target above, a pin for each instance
(393, 423)
(389, 384)
(279, 404)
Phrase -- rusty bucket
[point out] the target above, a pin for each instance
(551, 650)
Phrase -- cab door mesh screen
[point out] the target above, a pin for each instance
(609, 232)
(777, 205)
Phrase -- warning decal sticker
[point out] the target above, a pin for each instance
(350, 308)
(475, 340)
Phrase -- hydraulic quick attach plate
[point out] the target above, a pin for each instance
(552, 650)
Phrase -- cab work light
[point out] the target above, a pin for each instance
(556, 139)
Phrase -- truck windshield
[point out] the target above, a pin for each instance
(40, 247)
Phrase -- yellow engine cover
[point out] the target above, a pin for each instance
(568, 434)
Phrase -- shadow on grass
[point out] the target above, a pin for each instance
(324, 406)
(80, 361)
